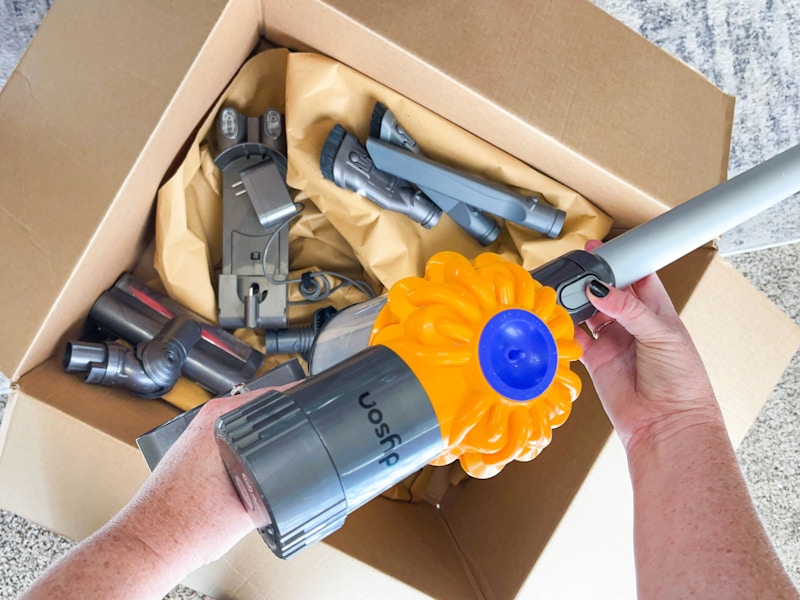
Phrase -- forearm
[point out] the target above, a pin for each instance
(696, 531)
(112, 563)
(187, 514)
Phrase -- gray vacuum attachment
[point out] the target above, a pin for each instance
(302, 460)
(150, 371)
(137, 314)
(441, 183)
(384, 126)
(345, 162)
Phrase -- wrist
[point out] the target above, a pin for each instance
(701, 420)
(159, 545)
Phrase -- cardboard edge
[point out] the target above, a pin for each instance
(57, 499)
(147, 175)
(5, 420)
(742, 315)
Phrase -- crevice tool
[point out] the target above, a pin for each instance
(441, 183)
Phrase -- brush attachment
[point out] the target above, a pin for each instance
(346, 162)
(376, 121)
(330, 149)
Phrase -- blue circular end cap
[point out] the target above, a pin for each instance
(518, 354)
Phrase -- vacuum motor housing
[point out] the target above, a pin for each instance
(302, 459)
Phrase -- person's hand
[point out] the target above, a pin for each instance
(644, 365)
(188, 507)
(185, 515)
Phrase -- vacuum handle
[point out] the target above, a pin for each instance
(660, 241)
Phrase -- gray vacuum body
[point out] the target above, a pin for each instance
(303, 459)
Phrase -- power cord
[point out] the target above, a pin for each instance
(314, 286)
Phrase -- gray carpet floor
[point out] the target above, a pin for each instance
(748, 49)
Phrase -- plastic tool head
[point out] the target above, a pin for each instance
(384, 125)
(439, 181)
(345, 162)
(492, 349)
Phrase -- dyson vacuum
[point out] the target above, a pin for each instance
(469, 363)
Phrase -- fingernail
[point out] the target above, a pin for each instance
(598, 288)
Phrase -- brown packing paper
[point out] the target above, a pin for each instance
(322, 92)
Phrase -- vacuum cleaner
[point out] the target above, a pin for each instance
(468, 363)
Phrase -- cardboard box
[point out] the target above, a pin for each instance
(92, 122)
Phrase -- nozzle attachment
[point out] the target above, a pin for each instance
(346, 162)
(149, 372)
(110, 363)
(437, 181)
(384, 126)
(137, 314)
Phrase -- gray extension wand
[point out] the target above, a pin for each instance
(660, 241)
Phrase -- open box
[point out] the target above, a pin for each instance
(92, 122)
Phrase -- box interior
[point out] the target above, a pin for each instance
(588, 135)
(556, 114)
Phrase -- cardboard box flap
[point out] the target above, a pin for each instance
(41, 446)
(571, 91)
(503, 524)
(745, 342)
(79, 131)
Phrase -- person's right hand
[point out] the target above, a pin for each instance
(643, 363)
